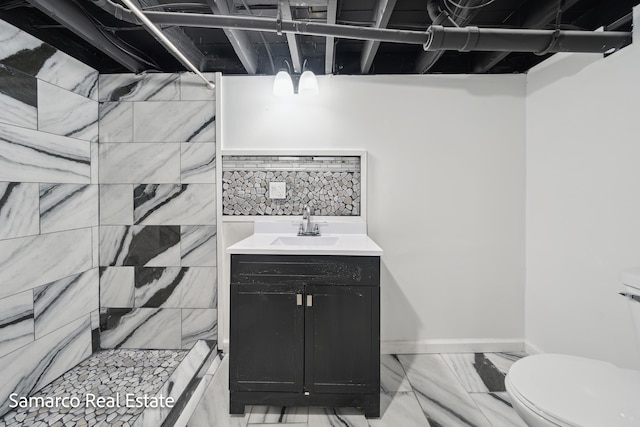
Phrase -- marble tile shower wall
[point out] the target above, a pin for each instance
(329, 184)
(49, 273)
(157, 156)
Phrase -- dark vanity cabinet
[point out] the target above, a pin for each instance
(305, 330)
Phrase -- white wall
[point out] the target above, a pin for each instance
(446, 192)
(583, 203)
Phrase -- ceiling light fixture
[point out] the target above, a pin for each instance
(308, 83)
(283, 84)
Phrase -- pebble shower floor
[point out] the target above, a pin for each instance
(107, 373)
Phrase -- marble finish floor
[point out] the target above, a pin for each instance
(105, 373)
(417, 390)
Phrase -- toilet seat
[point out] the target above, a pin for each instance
(572, 391)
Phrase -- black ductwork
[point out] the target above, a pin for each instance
(536, 41)
(436, 38)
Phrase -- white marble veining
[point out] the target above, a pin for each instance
(278, 414)
(198, 246)
(16, 321)
(142, 328)
(18, 113)
(172, 204)
(213, 409)
(116, 287)
(198, 324)
(14, 40)
(68, 73)
(28, 262)
(481, 372)
(344, 238)
(192, 88)
(32, 156)
(19, 98)
(124, 163)
(116, 122)
(200, 288)
(95, 156)
(40, 362)
(150, 246)
(58, 303)
(159, 286)
(176, 121)
(67, 114)
(399, 409)
(175, 287)
(116, 204)
(441, 396)
(198, 163)
(331, 417)
(392, 376)
(95, 244)
(140, 87)
(18, 209)
(67, 207)
(497, 408)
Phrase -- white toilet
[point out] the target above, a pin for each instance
(550, 390)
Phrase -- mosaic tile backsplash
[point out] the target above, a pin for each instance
(330, 185)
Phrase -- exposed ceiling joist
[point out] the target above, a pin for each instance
(533, 15)
(177, 36)
(332, 13)
(382, 16)
(238, 38)
(294, 48)
(72, 17)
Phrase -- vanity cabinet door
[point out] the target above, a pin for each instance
(266, 345)
(342, 330)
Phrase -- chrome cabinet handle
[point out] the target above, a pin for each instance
(309, 300)
(635, 298)
(298, 299)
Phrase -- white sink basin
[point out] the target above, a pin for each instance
(305, 241)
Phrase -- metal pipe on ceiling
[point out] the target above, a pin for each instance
(163, 40)
(435, 38)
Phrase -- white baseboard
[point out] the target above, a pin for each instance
(453, 346)
(531, 348)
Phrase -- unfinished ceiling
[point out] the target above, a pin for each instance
(90, 31)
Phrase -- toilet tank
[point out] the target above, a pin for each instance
(631, 280)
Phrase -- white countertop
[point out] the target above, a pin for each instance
(337, 238)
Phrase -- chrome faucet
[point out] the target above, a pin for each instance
(307, 228)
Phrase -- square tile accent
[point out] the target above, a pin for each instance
(198, 324)
(139, 87)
